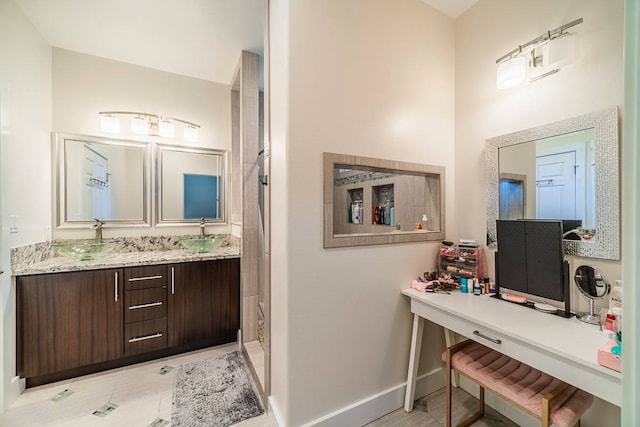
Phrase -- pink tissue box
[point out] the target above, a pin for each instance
(608, 359)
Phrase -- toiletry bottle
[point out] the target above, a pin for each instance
(392, 220)
(617, 321)
(356, 213)
(463, 285)
(476, 287)
(608, 322)
(350, 215)
(615, 296)
(387, 214)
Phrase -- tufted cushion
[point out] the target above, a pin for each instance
(520, 383)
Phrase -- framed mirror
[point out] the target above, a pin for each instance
(190, 184)
(371, 201)
(567, 170)
(100, 178)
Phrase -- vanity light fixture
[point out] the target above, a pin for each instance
(538, 58)
(109, 123)
(512, 72)
(140, 125)
(166, 128)
(148, 124)
(191, 133)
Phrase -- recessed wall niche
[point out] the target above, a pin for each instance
(388, 198)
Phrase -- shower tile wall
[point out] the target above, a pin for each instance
(249, 121)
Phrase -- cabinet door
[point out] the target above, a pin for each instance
(67, 320)
(204, 302)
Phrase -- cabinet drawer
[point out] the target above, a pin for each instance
(141, 337)
(145, 304)
(152, 276)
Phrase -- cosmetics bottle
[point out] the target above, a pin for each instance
(615, 296)
(357, 211)
(387, 213)
(609, 321)
(476, 287)
(617, 322)
(463, 285)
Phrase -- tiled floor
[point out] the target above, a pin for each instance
(143, 396)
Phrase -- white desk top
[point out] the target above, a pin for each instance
(568, 342)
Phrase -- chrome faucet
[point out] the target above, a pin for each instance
(202, 227)
(98, 227)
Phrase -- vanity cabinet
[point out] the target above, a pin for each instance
(66, 320)
(145, 314)
(74, 323)
(204, 302)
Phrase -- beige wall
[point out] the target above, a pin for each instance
(25, 161)
(486, 32)
(371, 78)
(83, 85)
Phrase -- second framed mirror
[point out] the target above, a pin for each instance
(190, 184)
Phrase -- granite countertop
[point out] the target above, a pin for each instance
(40, 258)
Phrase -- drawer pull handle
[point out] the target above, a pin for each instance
(115, 286)
(147, 337)
(137, 279)
(151, 304)
(173, 281)
(493, 340)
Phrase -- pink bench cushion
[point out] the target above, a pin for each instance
(520, 383)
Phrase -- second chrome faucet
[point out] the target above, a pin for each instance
(202, 235)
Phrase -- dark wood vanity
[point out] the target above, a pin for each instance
(74, 323)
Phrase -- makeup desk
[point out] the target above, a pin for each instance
(564, 348)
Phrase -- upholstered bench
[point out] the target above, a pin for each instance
(538, 394)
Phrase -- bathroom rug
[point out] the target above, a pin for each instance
(215, 392)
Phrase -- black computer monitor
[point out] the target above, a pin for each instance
(530, 257)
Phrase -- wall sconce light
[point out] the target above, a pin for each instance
(191, 133)
(523, 63)
(140, 125)
(166, 128)
(148, 124)
(109, 123)
(512, 72)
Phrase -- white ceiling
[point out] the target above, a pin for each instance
(196, 38)
(453, 8)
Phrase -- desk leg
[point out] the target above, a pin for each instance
(450, 339)
(414, 361)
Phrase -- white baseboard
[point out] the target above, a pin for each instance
(273, 409)
(16, 386)
(378, 405)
